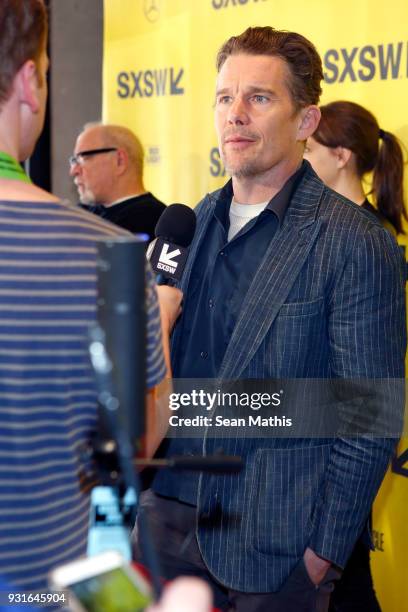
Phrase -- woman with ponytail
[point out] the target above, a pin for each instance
(347, 145)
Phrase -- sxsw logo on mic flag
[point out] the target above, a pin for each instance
(167, 258)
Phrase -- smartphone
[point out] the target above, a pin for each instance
(103, 583)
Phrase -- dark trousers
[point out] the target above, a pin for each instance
(173, 525)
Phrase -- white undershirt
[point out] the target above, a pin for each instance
(241, 214)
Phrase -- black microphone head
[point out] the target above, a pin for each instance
(177, 224)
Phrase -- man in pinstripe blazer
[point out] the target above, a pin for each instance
(286, 280)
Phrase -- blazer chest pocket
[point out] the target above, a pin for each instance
(286, 492)
(301, 309)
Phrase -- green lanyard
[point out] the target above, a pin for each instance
(11, 169)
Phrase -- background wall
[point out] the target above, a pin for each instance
(76, 80)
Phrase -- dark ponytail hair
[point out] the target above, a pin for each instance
(349, 125)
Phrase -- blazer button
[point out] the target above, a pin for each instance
(204, 354)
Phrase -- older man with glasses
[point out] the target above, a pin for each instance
(107, 167)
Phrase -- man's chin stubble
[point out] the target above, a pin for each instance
(86, 198)
(245, 171)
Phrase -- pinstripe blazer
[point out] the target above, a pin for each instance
(327, 301)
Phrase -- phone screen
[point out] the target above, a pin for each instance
(112, 591)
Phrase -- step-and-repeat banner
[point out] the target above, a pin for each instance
(159, 80)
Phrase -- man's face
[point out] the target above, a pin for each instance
(95, 176)
(255, 118)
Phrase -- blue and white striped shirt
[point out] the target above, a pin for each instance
(47, 394)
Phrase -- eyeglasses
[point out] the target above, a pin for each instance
(80, 158)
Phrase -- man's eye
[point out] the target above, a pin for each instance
(260, 99)
(224, 99)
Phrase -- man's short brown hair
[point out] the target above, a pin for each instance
(300, 55)
(23, 33)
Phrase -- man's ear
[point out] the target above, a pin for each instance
(26, 84)
(122, 160)
(309, 120)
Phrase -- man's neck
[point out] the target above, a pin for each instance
(263, 187)
(7, 145)
(11, 189)
(10, 129)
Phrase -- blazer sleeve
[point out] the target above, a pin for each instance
(367, 339)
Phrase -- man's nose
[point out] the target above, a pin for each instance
(237, 112)
(74, 169)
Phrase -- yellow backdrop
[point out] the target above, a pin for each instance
(158, 79)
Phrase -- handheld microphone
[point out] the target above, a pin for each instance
(169, 251)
